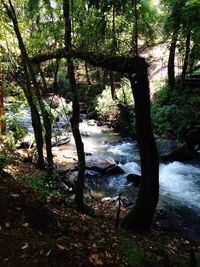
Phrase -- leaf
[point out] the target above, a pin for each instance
(15, 195)
(60, 246)
(94, 258)
(48, 253)
(25, 246)
(7, 224)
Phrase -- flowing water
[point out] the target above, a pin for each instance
(179, 182)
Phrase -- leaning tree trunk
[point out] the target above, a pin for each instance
(36, 122)
(140, 217)
(171, 60)
(79, 198)
(187, 53)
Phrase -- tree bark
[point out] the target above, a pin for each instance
(123, 64)
(79, 187)
(2, 121)
(87, 73)
(186, 58)
(140, 217)
(112, 86)
(171, 60)
(135, 29)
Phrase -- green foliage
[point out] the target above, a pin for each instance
(41, 183)
(106, 107)
(133, 256)
(175, 112)
(7, 145)
(120, 112)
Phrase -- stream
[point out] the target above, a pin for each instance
(179, 182)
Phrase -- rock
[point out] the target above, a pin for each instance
(93, 115)
(166, 147)
(90, 173)
(91, 122)
(134, 178)
(99, 164)
(60, 140)
(114, 170)
(105, 199)
(53, 101)
(85, 133)
(181, 154)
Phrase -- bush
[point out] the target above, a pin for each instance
(175, 112)
(120, 112)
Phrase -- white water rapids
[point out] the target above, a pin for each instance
(179, 182)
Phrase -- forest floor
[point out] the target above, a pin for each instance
(38, 231)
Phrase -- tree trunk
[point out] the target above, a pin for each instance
(55, 83)
(79, 187)
(87, 74)
(36, 122)
(171, 60)
(135, 29)
(112, 86)
(2, 121)
(187, 53)
(47, 124)
(140, 217)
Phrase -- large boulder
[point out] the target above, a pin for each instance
(181, 154)
(114, 170)
(99, 164)
(166, 146)
(134, 178)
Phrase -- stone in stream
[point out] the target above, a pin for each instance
(114, 170)
(91, 122)
(99, 164)
(134, 178)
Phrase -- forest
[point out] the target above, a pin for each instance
(100, 133)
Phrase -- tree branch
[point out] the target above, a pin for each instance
(123, 64)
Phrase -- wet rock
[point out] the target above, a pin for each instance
(114, 170)
(91, 122)
(181, 154)
(99, 164)
(167, 147)
(193, 137)
(134, 178)
(85, 133)
(90, 173)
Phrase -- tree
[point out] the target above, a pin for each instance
(30, 76)
(2, 121)
(79, 199)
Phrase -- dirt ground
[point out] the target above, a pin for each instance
(35, 231)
